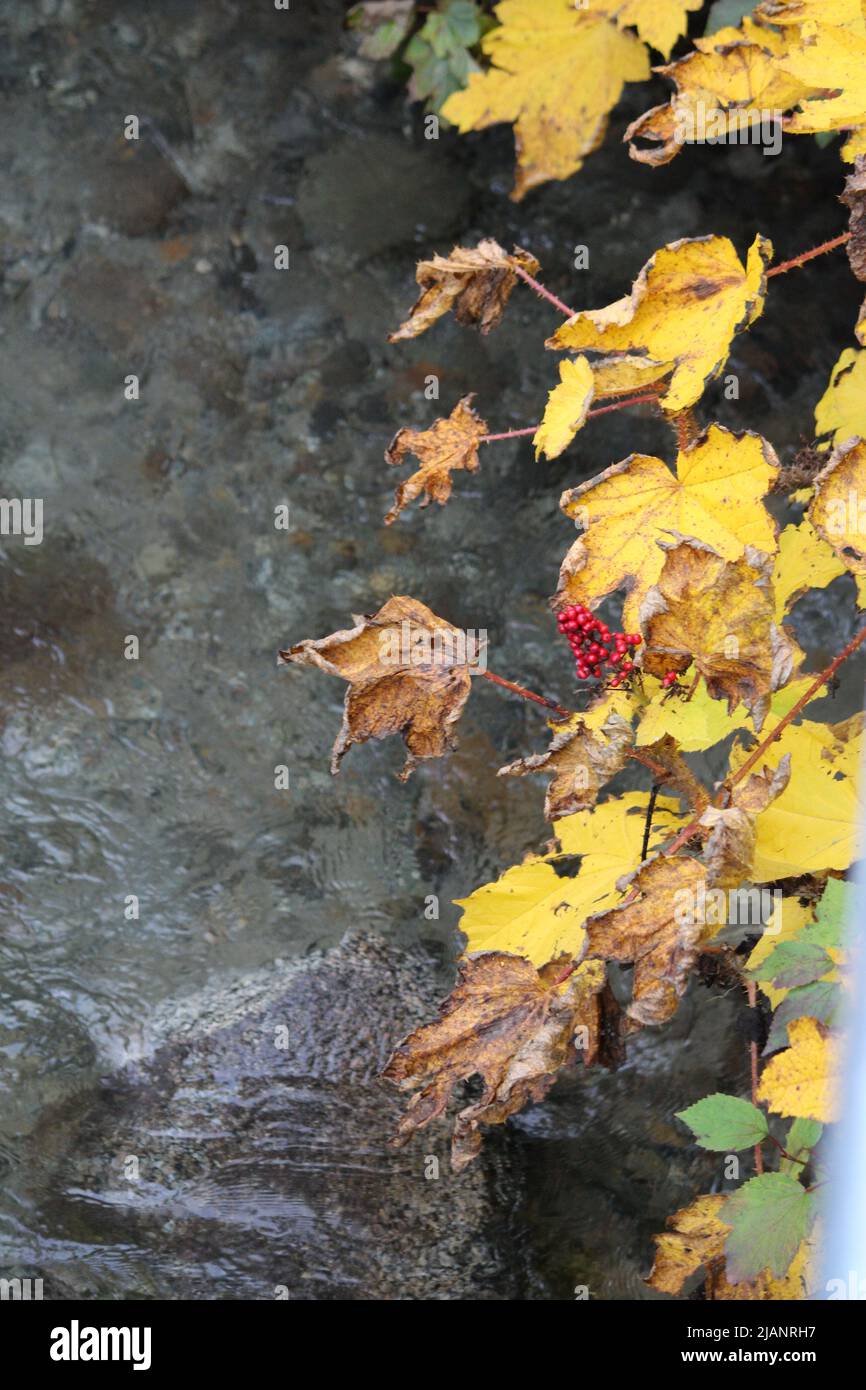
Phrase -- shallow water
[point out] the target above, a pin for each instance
(155, 777)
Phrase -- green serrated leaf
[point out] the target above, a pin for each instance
(463, 17)
(769, 1216)
(794, 963)
(819, 1000)
(831, 916)
(801, 1140)
(725, 1123)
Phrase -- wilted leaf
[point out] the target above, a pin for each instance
(409, 673)
(729, 849)
(718, 614)
(686, 305)
(814, 825)
(769, 1218)
(802, 1079)
(696, 1238)
(658, 22)
(660, 932)
(534, 911)
(536, 51)
(725, 1124)
(449, 446)
(715, 493)
(580, 763)
(855, 197)
(476, 282)
(507, 1022)
(838, 509)
(675, 773)
(841, 411)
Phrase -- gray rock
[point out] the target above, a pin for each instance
(246, 1156)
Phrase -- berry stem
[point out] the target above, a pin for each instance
(752, 993)
(526, 694)
(599, 410)
(856, 641)
(542, 290)
(809, 255)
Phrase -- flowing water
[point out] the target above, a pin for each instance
(146, 852)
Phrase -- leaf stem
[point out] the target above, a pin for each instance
(599, 410)
(820, 680)
(542, 290)
(752, 992)
(809, 255)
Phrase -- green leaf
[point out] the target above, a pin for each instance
(463, 17)
(832, 914)
(802, 1138)
(819, 1000)
(769, 1216)
(794, 963)
(725, 1123)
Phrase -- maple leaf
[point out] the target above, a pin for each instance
(729, 850)
(670, 768)
(802, 1079)
(536, 912)
(579, 762)
(409, 673)
(686, 305)
(582, 382)
(841, 410)
(715, 493)
(805, 561)
(510, 1024)
(475, 281)
(726, 86)
(718, 614)
(658, 22)
(696, 1239)
(450, 445)
(838, 508)
(813, 826)
(536, 51)
(827, 51)
(657, 931)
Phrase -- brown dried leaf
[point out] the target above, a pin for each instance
(729, 851)
(507, 1022)
(581, 763)
(696, 1238)
(657, 931)
(475, 281)
(719, 614)
(450, 445)
(855, 198)
(409, 673)
(678, 776)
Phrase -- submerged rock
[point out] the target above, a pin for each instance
(246, 1156)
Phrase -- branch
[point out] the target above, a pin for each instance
(809, 255)
(527, 694)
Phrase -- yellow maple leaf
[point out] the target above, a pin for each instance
(841, 411)
(566, 409)
(715, 493)
(580, 761)
(685, 307)
(814, 825)
(535, 912)
(805, 561)
(801, 1081)
(838, 508)
(658, 22)
(557, 73)
(700, 722)
(828, 54)
(724, 90)
(695, 1238)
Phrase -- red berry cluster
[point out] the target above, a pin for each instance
(670, 679)
(588, 638)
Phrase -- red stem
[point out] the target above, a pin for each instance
(809, 255)
(526, 694)
(752, 992)
(540, 289)
(599, 410)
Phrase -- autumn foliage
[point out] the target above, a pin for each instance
(707, 578)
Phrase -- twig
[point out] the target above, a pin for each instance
(856, 641)
(526, 694)
(540, 289)
(590, 415)
(752, 993)
(647, 829)
(809, 255)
